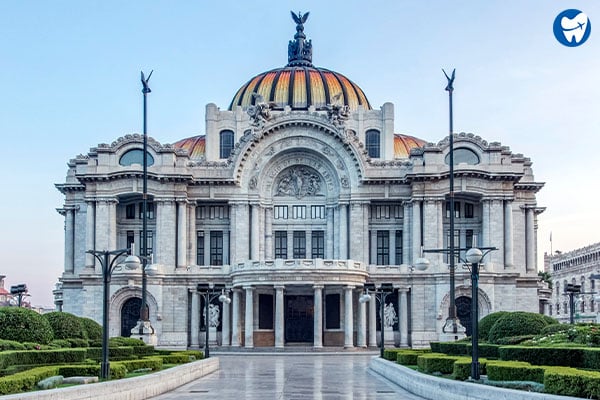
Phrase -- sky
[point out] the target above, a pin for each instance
(69, 78)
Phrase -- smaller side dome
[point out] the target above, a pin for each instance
(195, 146)
(403, 144)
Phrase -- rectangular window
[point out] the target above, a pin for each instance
(456, 209)
(317, 212)
(130, 239)
(200, 248)
(299, 244)
(281, 244)
(216, 247)
(332, 311)
(200, 212)
(299, 212)
(150, 211)
(381, 212)
(398, 247)
(468, 210)
(398, 212)
(150, 243)
(318, 244)
(130, 211)
(469, 239)
(456, 246)
(281, 212)
(265, 311)
(218, 212)
(383, 247)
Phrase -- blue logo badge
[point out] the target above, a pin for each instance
(572, 28)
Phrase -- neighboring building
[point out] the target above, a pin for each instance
(297, 195)
(5, 295)
(578, 267)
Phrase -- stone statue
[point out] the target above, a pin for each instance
(389, 315)
(300, 49)
(260, 112)
(450, 87)
(337, 111)
(146, 88)
(213, 315)
(300, 182)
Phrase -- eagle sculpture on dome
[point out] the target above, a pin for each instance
(299, 19)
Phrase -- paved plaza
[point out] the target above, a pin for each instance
(291, 376)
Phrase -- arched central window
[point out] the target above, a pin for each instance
(372, 139)
(463, 155)
(226, 143)
(135, 156)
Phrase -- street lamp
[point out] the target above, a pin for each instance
(384, 291)
(209, 293)
(572, 290)
(108, 266)
(19, 291)
(474, 256)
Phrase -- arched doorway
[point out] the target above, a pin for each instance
(130, 314)
(463, 312)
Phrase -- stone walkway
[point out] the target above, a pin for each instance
(291, 377)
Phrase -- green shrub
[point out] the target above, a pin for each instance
(92, 329)
(117, 370)
(153, 363)
(560, 356)
(517, 323)
(453, 348)
(94, 353)
(488, 350)
(555, 328)
(513, 340)
(462, 368)
(591, 358)
(549, 320)
(436, 362)
(572, 382)
(435, 347)
(24, 325)
(176, 358)
(26, 380)
(196, 354)
(78, 343)
(120, 341)
(60, 344)
(408, 357)
(390, 354)
(37, 346)
(486, 323)
(514, 371)
(65, 325)
(41, 357)
(10, 345)
(143, 350)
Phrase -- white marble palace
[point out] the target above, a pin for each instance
(297, 195)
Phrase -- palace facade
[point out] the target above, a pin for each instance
(296, 196)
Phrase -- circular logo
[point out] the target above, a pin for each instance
(572, 28)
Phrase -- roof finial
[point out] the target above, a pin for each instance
(300, 49)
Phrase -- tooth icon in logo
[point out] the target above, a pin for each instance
(572, 28)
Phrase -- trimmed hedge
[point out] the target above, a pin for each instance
(143, 350)
(408, 357)
(114, 353)
(555, 328)
(25, 381)
(454, 348)
(486, 323)
(390, 354)
(572, 382)
(117, 370)
(120, 341)
(24, 325)
(462, 368)
(552, 356)
(153, 363)
(436, 362)
(517, 323)
(514, 371)
(41, 357)
(10, 345)
(65, 325)
(92, 329)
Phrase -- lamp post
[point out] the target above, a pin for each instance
(19, 291)
(209, 293)
(474, 256)
(384, 291)
(108, 266)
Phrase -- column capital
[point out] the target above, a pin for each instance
(349, 287)
(403, 289)
(184, 200)
(279, 287)
(318, 287)
(248, 287)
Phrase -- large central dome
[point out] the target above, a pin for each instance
(300, 84)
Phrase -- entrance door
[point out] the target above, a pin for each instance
(130, 314)
(299, 323)
(463, 312)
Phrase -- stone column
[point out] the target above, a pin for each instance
(318, 317)
(269, 255)
(191, 234)
(343, 231)
(529, 240)
(416, 230)
(225, 325)
(249, 317)
(279, 339)
(195, 320)
(182, 234)
(261, 233)
(69, 240)
(403, 318)
(485, 223)
(348, 318)
(336, 234)
(112, 233)
(90, 229)
(329, 242)
(233, 236)
(373, 249)
(431, 230)
(164, 248)
(406, 259)
(104, 227)
(361, 325)
(235, 318)
(508, 235)
(358, 232)
(255, 226)
(373, 321)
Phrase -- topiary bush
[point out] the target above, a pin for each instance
(555, 328)
(65, 325)
(517, 323)
(24, 325)
(10, 345)
(514, 371)
(486, 323)
(120, 341)
(91, 328)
